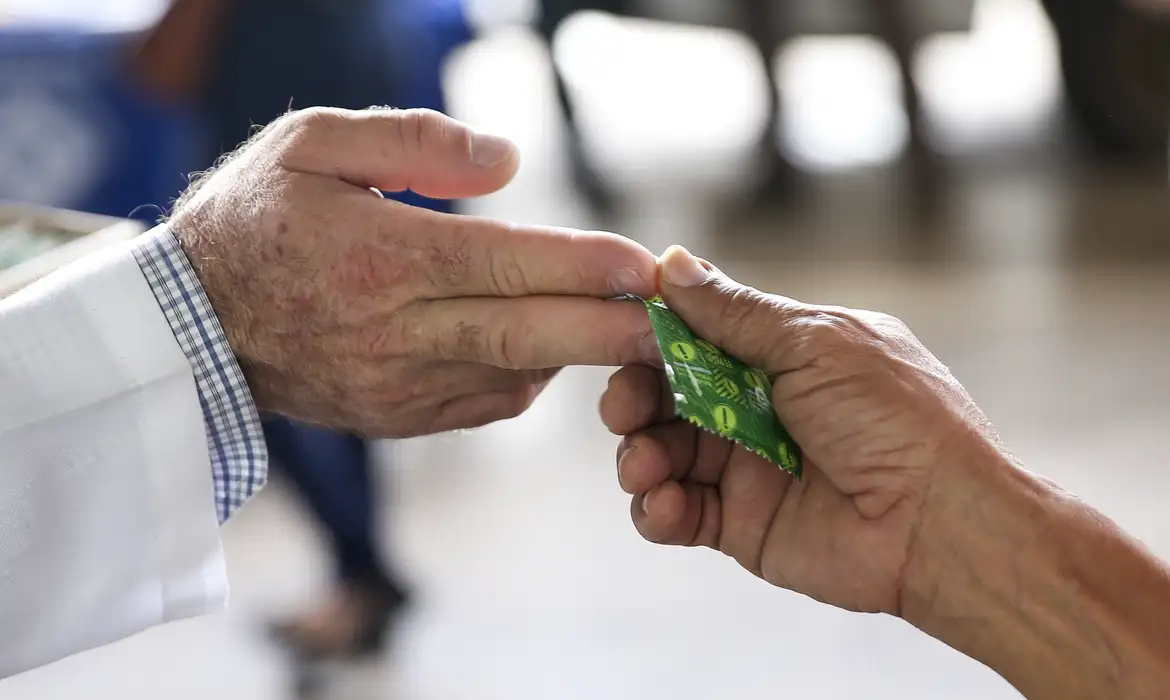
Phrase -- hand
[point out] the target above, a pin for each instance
(878, 417)
(356, 312)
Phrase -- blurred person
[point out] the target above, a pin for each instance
(909, 504)
(134, 380)
(247, 61)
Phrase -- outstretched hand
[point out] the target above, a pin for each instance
(878, 418)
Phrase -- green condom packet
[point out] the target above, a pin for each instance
(718, 392)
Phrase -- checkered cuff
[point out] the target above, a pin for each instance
(235, 439)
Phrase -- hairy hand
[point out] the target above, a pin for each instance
(352, 311)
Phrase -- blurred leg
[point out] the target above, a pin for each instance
(763, 25)
(897, 26)
(763, 28)
(332, 473)
(586, 178)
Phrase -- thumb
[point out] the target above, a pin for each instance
(399, 149)
(751, 325)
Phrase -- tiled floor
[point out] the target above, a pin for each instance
(1046, 292)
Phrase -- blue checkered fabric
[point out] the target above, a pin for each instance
(235, 439)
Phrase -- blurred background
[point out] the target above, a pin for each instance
(992, 171)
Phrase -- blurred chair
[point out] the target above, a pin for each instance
(901, 24)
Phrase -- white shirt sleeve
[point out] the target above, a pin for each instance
(108, 516)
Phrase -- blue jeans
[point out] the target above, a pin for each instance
(332, 473)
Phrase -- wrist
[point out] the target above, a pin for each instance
(977, 504)
(984, 577)
(223, 284)
(217, 278)
(1024, 577)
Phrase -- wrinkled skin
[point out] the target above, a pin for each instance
(355, 312)
(879, 418)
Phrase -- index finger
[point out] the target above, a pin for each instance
(531, 333)
(473, 256)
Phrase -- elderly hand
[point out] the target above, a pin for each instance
(877, 416)
(356, 312)
(909, 504)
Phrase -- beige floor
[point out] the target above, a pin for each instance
(1044, 289)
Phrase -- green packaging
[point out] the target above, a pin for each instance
(719, 393)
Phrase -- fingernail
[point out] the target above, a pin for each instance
(683, 269)
(646, 502)
(627, 280)
(488, 151)
(625, 447)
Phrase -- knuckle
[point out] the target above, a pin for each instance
(413, 126)
(504, 346)
(825, 329)
(891, 324)
(306, 125)
(426, 134)
(751, 317)
(507, 276)
(445, 133)
(741, 307)
(515, 403)
(448, 258)
(297, 136)
(431, 123)
(316, 118)
(836, 332)
(363, 271)
(870, 328)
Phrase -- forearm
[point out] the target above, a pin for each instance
(1040, 587)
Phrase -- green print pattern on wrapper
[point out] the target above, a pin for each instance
(720, 394)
